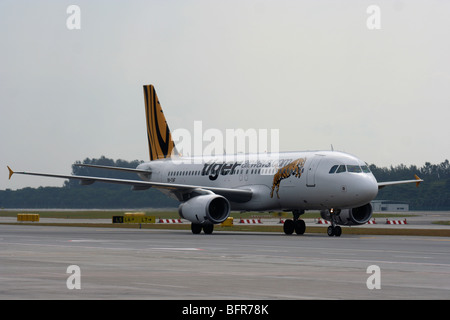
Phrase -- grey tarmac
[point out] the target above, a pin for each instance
(175, 264)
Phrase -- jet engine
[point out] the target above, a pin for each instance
(349, 217)
(205, 208)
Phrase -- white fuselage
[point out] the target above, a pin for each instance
(284, 181)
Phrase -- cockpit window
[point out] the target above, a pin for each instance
(333, 169)
(351, 168)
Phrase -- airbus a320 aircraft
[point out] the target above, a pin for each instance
(338, 184)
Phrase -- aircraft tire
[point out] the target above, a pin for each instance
(208, 228)
(299, 227)
(288, 226)
(334, 231)
(330, 231)
(196, 228)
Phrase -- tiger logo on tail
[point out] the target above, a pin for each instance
(160, 141)
(294, 168)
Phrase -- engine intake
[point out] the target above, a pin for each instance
(211, 207)
(350, 217)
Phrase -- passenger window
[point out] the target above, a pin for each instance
(333, 169)
(341, 169)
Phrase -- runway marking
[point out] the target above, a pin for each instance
(159, 285)
(413, 257)
(177, 249)
(437, 239)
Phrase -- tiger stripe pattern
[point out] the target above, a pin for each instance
(294, 168)
(160, 141)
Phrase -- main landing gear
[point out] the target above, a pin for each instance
(196, 228)
(297, 225)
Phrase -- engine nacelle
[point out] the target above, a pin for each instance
(200, 209)
(349, 217)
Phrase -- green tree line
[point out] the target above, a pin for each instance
(432, 194)
(98, 195)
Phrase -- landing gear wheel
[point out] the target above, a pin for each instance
(288, 226)
(196, 228)
(208, 228)
(334, 231)
(299, 226)
(337, 231)
(330, 231)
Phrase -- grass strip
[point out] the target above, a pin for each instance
(250, 228)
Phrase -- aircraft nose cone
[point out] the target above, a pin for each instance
(367, 189)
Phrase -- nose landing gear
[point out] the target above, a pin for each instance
(334, 230)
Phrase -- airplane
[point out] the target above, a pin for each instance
(208, 188)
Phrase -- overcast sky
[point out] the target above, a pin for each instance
(312, 69)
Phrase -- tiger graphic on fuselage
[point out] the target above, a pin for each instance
(293, 168)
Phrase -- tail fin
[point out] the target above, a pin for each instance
(160, 141)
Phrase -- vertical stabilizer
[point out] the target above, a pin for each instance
(160, 141)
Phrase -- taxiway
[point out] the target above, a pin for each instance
(175, 264)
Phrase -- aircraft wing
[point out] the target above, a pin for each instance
(417, 181)
(235, 195)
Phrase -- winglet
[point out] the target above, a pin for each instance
(418, 180)
(10, 172)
